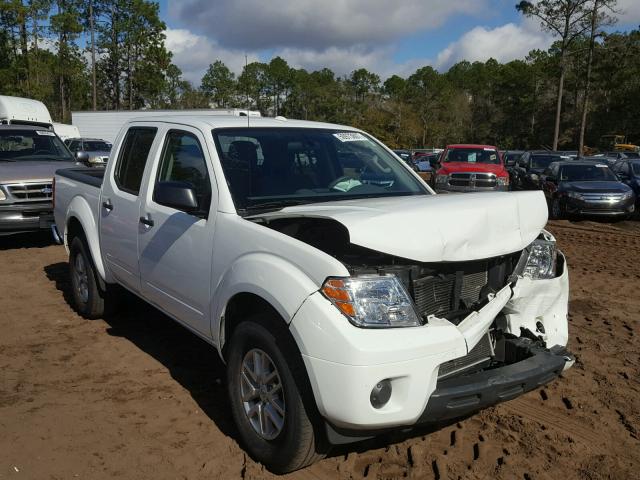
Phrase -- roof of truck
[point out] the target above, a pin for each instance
(231, 121)
(17, 126)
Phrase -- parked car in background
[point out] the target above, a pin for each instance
(344, 301)
(613, 157)
(511, 157)
(585, 188)
(29, 157)
(470, 168)
(530, 166)
(406, 156)
(92, 151)
(628, 172)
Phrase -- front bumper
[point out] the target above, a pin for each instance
(344, 362)
(27, 217)
(576, 206)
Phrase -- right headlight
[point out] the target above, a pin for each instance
(541, 260)
(372, 301)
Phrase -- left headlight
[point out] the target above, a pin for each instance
(541, 260)
(3, 196)
(372, 301)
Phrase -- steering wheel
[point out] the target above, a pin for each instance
(333, 184)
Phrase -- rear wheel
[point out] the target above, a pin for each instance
(88, 298)
(266, 396)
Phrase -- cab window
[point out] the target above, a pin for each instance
(183, 160)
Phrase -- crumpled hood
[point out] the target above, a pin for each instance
(30, 171)
(436, 228)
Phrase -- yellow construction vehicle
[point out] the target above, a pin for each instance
(616, 143)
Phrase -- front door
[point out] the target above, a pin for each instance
(175, 247)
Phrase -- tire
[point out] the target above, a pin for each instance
(295, 444)
(88, 298)
(556, 212)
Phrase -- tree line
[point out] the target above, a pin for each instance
(110, 54)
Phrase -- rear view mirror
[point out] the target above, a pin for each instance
(178, 195)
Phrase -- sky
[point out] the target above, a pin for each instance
(385, 36)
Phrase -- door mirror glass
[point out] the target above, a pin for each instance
(175, 194)
(82, 156)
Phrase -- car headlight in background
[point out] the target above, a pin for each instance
(372, 301)
(534, 177)
(541, 260)
(576, 195)
(502, 181)
(441, 179)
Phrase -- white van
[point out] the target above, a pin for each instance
(24, 111)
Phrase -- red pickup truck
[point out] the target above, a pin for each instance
(470, 168)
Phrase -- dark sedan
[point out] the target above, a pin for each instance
(628, 172)
(526, 175)
(585, 188)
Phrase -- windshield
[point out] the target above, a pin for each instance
(96, 146)
(24, 145)
(636, 168)
(543, 161)
(512, 156)
(472, 155)
(586, 173)
(275, 167)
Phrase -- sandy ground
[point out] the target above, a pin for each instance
(137, 397)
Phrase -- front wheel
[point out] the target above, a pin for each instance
(267, 404)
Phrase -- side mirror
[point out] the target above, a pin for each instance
(434, 162)
(82, 156)
(178, 195)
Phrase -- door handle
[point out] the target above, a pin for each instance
(146, 221)
(107, 205)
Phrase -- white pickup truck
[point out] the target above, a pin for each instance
(345, 297)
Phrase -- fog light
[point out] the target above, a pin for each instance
(381, 393)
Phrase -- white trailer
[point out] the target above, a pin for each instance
(107, 124)
(23, 111)
(65, 131)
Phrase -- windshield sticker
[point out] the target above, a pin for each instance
(488, 149)
(472, 157)
(350, 137)
(45, 133)
(492, 157)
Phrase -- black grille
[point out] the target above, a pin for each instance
(482, 352)
(482, 180)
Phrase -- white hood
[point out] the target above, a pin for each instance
(436, 228)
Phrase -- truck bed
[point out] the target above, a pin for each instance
(86, 175)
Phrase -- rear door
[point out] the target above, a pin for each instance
(175, 248)
(120, 205)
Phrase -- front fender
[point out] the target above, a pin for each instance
(273, 278)
(80, 209)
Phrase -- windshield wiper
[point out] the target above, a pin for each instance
(274, 205)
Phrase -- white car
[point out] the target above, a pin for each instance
(346, 298)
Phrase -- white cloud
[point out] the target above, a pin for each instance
(193, 54)
(314, 24)
(628, 12)
(345, 60)
(505, 43)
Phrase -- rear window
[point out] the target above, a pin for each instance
(133, 158)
